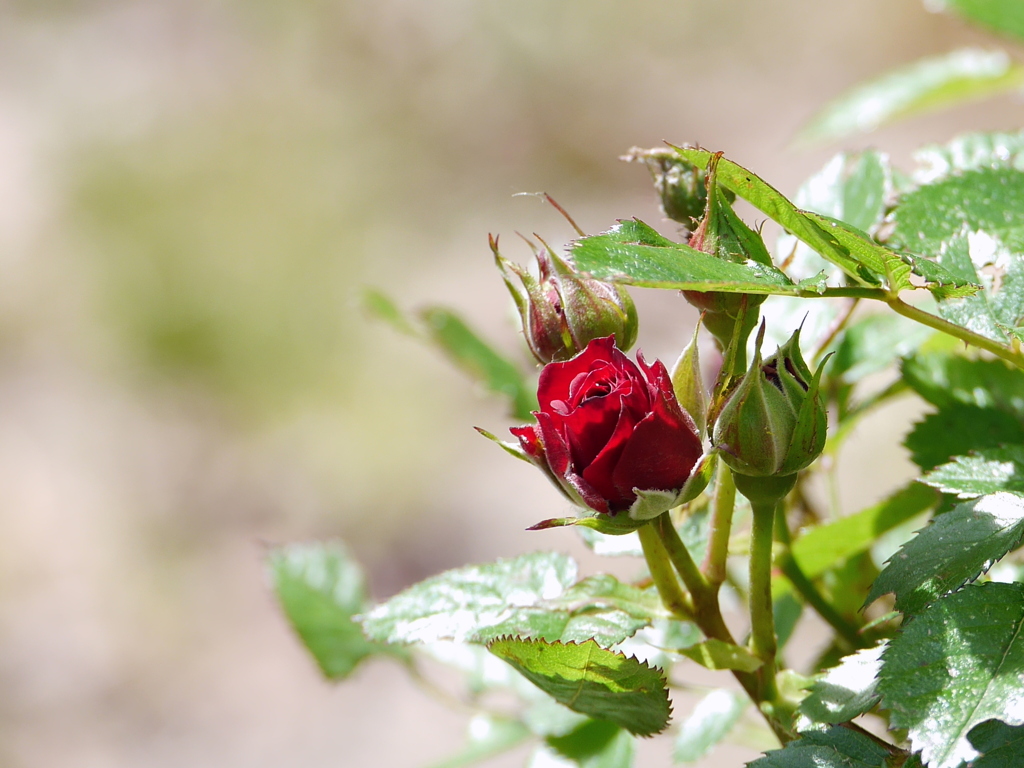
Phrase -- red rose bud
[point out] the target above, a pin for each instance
(562, 312)
(611, 434)
(774, 422)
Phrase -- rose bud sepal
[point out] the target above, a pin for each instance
(729, 317)
(593, 309)
(773, 423)
(688, 383)
(561, 311)
(649, 505)
(680, 184)
(546, 333)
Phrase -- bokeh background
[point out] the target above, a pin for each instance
(192, 195)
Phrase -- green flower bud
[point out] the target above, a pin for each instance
(730, 317)
(562, 312)
(774, 422)
(679, 183)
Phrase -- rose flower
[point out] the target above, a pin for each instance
(609, 427)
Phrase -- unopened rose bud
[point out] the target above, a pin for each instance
(562, 312)
(730, 317)
(773, 423)
(679, 183)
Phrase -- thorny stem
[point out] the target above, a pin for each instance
(722, 507)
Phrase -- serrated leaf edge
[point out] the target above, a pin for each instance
(641, 662)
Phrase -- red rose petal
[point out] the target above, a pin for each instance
(556, 378)
(663, 449)
(600, 471)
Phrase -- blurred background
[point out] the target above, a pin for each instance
(192, 195)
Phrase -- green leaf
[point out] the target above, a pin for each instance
(444, 329)
(847, 690)
(942, 283)
(869, 254)
(532, 595)
(592, 681)
(787, 610)
(873, 343)
(959, 429)
(925, 85)
(827, 546)
(596, 744)
(982, 258)
(1003, 16)
(851, 188)
(320, 588)
(969, 152)
(956, 548)
(633, 253)
(958, 664)
(717, 654)
(773, 204)
(972, 224)
(946, 379)
(688, 383)
(987, 471)
(837, 747)
(709, 722)
(1001, 745)
(477, 359)
(488, 736)
(982, 199)
(381, 306)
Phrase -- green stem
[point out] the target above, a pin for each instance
(707, 614)
(665, 581)
(762, 619)
(791, 569)
(836, 328)
(847, 632)
(722, 508)
(970, 337)
(681, 559)
(840, 292)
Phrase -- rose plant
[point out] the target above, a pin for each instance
(883, 285)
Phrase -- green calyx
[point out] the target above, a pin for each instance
(562, 311)
(764, 492)
(773, 423)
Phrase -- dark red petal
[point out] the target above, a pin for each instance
(663, 449)
(588, 493)
(555, 447)
(600, 471)
(589, 427)
(556, 378)
(529, 439)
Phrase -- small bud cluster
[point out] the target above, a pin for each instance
(562, 311)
